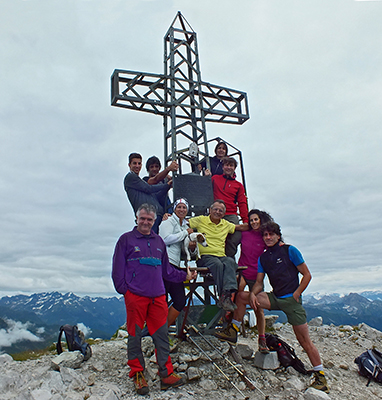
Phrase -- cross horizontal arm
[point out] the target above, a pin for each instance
(148, 92)
(138, 91)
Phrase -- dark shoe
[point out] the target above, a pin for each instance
(228, 334)
(140, 383)
(225, 302)
(172, 381)
(263, 348)
(319, 381)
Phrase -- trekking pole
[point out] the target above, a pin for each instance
(244, 376)
(190, 294)
(214, 364)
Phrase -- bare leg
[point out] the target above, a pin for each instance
(263, 300)
(242, 284)
(260, 321)
(242, 299)
(302, 335)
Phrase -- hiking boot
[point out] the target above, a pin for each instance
(172, 381)
(140, 383)
(229, 334)
(263, 348)
(225, 302)
(319, 381)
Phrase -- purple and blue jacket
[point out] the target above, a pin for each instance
(140, 264)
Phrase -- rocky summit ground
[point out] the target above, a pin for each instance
(105, 374)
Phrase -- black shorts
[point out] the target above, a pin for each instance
(176, 291)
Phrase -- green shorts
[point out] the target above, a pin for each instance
(294, 310)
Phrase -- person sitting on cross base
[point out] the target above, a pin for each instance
(155, 176)
(140, 264)
(139, 192)
(252, 247)
(222, 268)
(283, 264)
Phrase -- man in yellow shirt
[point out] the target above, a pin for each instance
(222, 268)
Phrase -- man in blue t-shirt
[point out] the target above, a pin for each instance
(282, 263)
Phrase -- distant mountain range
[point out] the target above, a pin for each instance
(44, 313)
(37, 318)
(339, 309)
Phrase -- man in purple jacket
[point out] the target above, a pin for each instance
(140, 264)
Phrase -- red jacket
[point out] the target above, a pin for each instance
(232, 192)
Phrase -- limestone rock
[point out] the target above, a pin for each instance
(315, 321)
(372, 334)
(314, 394)
(295, 383)
(73, 379)
(266, 361)
(208, 384)
(147, 346)
(185, 358)
(106, 374)
(69, 359)
(244, 351)
(270, 320)
(182, 367)
(193, 373)
(122, 334)
(5, 359)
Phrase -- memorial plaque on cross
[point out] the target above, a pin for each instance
(186, 104)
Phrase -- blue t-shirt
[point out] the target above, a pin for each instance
(294, 255)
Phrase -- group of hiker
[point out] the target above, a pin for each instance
(146, 264)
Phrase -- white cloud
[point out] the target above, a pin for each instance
(16, 332)
(84, 329)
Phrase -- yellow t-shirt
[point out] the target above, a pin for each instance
(215, 234)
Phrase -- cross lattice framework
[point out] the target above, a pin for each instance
(180, 96)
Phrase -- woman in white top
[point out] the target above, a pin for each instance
(173, 231)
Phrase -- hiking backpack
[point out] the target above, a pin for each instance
(75, 340)
(285, 353)
(370, 365)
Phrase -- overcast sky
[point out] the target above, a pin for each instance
(312, 147)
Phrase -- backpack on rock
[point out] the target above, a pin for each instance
(75, 340)
(285, 353)
(370, 365)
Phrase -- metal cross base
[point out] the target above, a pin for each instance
(206, 315)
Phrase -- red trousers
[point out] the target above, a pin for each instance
(153, 311)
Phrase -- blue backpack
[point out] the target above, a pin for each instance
(370, 365)
(75, 340)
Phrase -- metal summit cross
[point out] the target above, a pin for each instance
(181, 97)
